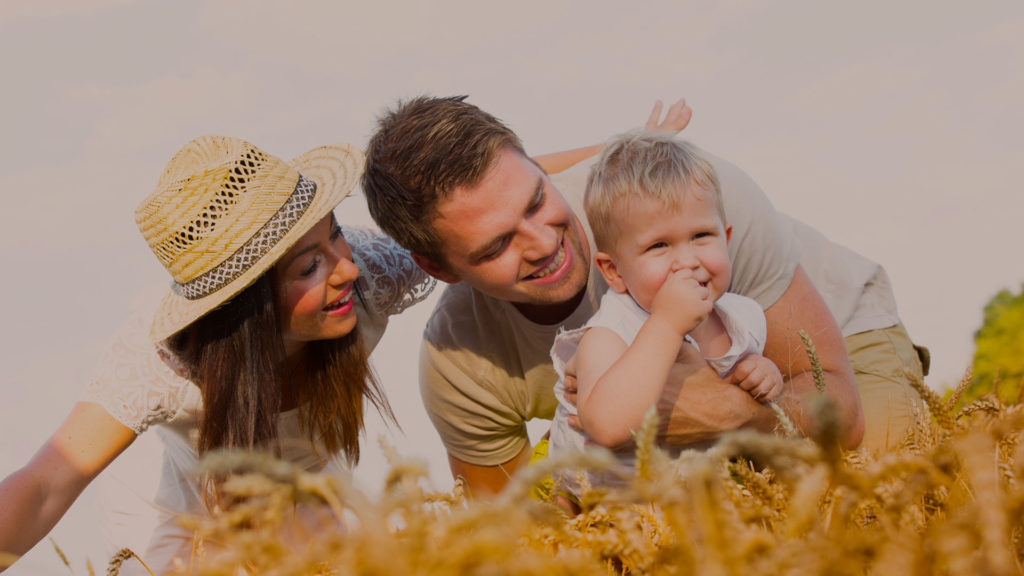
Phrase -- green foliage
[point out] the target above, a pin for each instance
(999, 348)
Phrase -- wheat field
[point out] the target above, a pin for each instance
(950, 501)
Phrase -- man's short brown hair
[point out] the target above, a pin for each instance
(424, 149)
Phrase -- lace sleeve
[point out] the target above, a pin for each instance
(132, 382)
(394, 280)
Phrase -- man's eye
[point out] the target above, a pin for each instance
(494, 252)
(538, 202)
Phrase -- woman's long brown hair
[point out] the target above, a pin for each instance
(236, 355)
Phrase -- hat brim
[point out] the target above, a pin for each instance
(336, 169)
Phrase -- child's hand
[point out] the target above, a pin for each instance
(677, 117)
(759, 376)
(682, 302)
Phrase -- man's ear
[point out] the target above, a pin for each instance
(606, 265)
(434, 269)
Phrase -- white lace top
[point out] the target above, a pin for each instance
(135, 382)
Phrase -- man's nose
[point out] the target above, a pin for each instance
(539, 240)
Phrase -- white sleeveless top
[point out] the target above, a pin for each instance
(135, 383)
(744, 322)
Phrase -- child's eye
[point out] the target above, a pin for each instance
(656, 245)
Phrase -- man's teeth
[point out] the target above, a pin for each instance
(339, 303)
(555, 263)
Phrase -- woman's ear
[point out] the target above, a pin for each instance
(434, 269)
(606, 265)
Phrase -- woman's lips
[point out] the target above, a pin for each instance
(341, 305)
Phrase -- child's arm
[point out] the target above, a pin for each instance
(759, 376)
(618, 384)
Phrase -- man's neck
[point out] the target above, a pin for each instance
(549, 314)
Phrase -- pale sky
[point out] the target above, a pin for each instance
(893, 127)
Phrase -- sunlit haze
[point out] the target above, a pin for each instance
(893, 127)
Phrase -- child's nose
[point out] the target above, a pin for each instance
(684, 260)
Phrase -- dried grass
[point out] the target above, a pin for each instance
(951, 501)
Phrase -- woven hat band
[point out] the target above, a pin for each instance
(255, 248)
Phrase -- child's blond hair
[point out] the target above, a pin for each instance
(647, 164)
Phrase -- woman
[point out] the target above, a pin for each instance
(255, 345)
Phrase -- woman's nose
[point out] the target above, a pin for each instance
(344, 271)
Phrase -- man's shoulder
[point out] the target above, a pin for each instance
(464, 318)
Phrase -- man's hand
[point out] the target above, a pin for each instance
(486, 481)
(676, 119)
(759, 376)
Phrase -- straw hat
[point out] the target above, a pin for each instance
(224, 212)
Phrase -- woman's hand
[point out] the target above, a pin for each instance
(677, 118)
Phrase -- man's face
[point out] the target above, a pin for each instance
(513, 237)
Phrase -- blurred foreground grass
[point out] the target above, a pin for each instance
(950, 501)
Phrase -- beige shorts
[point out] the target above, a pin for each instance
(884, 363)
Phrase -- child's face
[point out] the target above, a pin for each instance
(655, 240)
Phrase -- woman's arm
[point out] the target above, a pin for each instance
(35, 497)
(676, 119)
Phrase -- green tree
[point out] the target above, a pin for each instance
(999, 348)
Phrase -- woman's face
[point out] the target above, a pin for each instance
(314, 284)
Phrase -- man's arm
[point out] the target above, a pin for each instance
(802, 308)
(486, 481)
(701, 406)
(473, 422)
(676, 119)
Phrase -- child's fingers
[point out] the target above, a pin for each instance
(741, 373)
(765, 392)
(574, 422)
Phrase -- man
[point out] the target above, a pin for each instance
(453, 185)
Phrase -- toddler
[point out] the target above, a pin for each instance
(655, 209)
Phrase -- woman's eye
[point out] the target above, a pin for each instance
(311, 268)
(336, 233)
